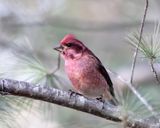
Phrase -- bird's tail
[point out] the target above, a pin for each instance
(114, 101)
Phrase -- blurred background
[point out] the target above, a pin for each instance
(29, 29)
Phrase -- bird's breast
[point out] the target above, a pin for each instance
(85, 77)
(75, 69)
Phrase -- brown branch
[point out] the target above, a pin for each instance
(63, 98)
(140, 38)
(67, 99)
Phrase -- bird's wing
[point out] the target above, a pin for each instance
(105, 74)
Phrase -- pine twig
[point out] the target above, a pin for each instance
(154, 71)
(140, 38)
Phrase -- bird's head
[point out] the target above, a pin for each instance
(70, 47)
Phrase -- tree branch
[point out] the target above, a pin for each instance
(67, 99)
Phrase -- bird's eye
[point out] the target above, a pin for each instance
(69, 44)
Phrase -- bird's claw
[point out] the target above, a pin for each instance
(73, 92)
(100, 99)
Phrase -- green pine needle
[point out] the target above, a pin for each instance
(149, 45)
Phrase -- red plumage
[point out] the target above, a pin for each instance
(84, 69)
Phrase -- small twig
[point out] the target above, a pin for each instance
(58, 64)
(154, 71)
(140, 38)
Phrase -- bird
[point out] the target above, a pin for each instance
(85, 71)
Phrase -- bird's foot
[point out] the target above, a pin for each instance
(73, 92)
(100, 99)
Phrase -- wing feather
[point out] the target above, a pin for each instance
(104, 73)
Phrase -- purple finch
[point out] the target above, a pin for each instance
(85, 70)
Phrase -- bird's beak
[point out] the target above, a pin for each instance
(59, 49)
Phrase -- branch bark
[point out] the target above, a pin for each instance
(67, 99)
